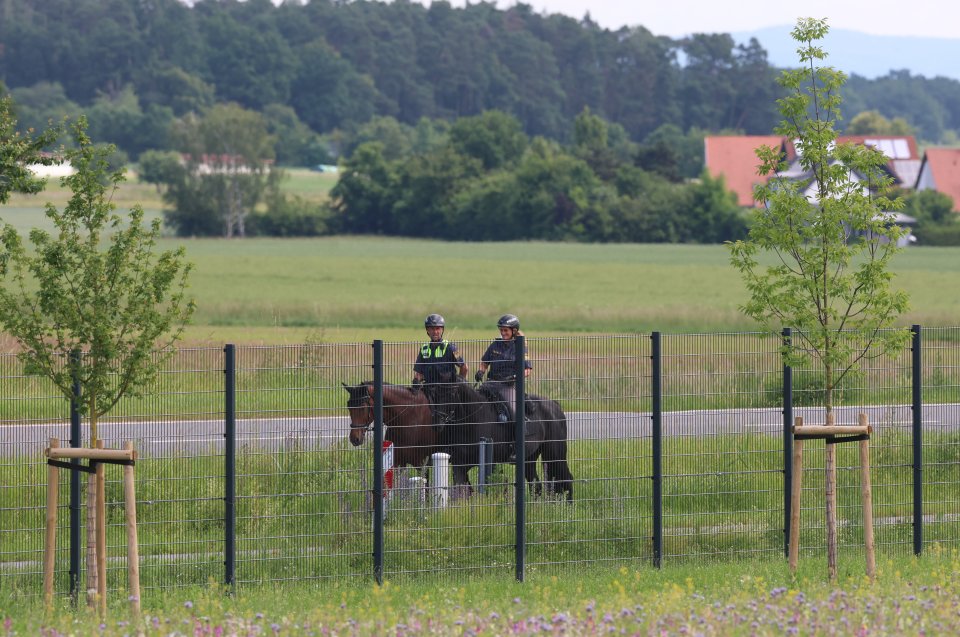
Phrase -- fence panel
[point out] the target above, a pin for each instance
(303, 493)
(32, 410)
(177, 431)
(882, 391)
(722, 445)
(604, 386)
(941, 436)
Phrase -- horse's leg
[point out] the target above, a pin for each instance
(531, 475)
(461, 480)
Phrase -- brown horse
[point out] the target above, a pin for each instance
(406, 419)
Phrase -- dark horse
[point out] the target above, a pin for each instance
(474, 416)
(406, 416)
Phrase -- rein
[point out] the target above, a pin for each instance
(368, 403)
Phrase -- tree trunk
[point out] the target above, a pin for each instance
(92, 541)
(830, 495)
(92, 570)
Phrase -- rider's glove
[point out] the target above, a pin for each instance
(478, 376)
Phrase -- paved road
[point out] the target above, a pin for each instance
(199, 437)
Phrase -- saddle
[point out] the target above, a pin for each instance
(503, 411)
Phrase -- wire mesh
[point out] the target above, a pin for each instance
(177, 430)
(722, 445)
(941, 435)
(881, 390)
(303, 504)
(32, 411)
(304, 498)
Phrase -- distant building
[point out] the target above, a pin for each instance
(940, 171)
(63, 169)
(734, 158)
(211, 164)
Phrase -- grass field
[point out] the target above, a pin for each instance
(909, 597)
(345, 289)
(359, 288)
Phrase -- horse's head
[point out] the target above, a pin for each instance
(360, 406)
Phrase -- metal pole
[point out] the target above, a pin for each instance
(657, 414)
(521, 490)
(917, 347)
(787, 443)
(230, 464)
(378, 461)
(486, 446)
(75, 498)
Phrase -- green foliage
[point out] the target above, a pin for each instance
(228, 171)
(339, 64)
(493, 137)
(939, 235)
(96, 287)
(487, 182)
(874, 123)
(18, 150)
(832, 235)
(290, 217)
(930, 208)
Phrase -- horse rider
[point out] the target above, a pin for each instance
(500, 359)
(438, 365)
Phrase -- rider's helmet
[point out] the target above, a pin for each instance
(434, 320)
(509, 320)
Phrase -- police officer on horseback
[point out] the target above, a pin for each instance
(438, 365)
(500, 360)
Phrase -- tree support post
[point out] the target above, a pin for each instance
(833, 434)
(97, 457)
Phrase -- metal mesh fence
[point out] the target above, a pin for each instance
(177, 431)
(303, 505)
(32, 411)
(881, 391)
(676, 444)
(722, 445)
(941, 436)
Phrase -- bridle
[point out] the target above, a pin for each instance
(366, 403)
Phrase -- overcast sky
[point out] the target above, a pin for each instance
(925, 18)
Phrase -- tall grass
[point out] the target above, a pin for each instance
(307, 514)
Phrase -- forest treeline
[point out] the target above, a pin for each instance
(325, 77)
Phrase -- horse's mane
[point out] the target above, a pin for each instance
(399, 391)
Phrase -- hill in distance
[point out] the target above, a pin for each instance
(869, 56)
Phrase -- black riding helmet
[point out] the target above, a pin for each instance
(509, 320)
(434, 320)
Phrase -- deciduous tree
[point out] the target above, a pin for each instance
(831, 250)
(92, 303)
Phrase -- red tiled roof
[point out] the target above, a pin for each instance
(943, 165)
(903, 146)
(735, 159)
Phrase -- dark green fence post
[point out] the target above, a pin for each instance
(75, 498)
(519, 451)
(378, 461)
(230, 464)
(787, 442)
(917, 441)
(657, 414)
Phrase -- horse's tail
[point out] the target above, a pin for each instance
(556, 469)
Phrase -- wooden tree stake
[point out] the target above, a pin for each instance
(50, 541)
